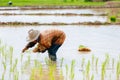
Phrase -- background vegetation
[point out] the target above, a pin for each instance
(54, 2)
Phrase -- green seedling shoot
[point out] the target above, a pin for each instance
(4, 65)
(15, 64)
(16, 76)
(93, 61)
(66, 67)
(35, 62)
(92, 77)
(21, 57)
(61, 62)
(107, 59)
(118, 70)
(88, 70)
(103, 70)
(51, 71)
(40, 71)
(28, 59)
(72, 70)
(3, 76)
(96, 63)
(113, 62)
(12, 69)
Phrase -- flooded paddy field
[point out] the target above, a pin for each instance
(102, 63)
(50, 16)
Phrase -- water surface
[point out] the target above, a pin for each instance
(101, 40)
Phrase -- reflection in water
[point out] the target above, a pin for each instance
(49, 73)
(53, 11)
(51, 19)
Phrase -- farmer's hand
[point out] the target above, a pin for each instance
(24, 50)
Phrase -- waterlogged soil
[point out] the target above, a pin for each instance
(101, 40)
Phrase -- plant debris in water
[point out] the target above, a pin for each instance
(83, 48)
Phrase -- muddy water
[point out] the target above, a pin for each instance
(101, 40)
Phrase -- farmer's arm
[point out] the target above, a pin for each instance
(29, 45)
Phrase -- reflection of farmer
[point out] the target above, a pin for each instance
(49, 40)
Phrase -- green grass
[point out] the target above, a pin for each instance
(49, 2)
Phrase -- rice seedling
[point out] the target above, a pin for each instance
(61, 62)
(96, 64)
(118, 70)
(51, 71)
(83, 62)
(103, 70)
(83, 72)
(16, 76)
(21, 57)
(0, 42)
(32, 74)
(46, 61)
(88, 70)
(110, 77)
(13, 67)
(40, 71)
(113, 62)
(107, 59)
(3, 76)
(4, 65)
(28, 59)
(72, 70)
(3, 51)
(61, 74)
(35, 62)
(11, 57)
(66, 67)
(92, 77)
(93, 57)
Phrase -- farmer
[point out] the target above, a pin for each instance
(50, 40)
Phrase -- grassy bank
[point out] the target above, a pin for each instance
(49, 2)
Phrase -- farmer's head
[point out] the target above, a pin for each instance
(33, 35)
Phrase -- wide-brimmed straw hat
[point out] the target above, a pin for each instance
(33, 35)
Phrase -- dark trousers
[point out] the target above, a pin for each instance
(52, 51)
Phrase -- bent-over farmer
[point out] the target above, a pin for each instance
(50, 40)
